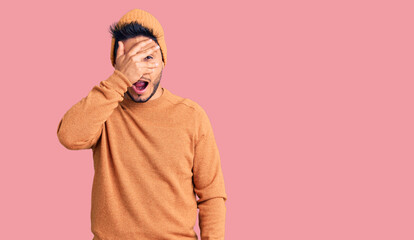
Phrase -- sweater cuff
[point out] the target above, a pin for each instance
(118, 82)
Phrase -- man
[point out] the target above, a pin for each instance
(153, 151)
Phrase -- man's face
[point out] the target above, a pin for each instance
(154, 78)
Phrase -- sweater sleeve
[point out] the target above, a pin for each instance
(82, 125)
(209, 182)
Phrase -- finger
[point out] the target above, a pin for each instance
(146, 71)
(138, 46)
(146, 52)
(149, 70)
(120, 50)
(152, 64)
(149, 64)
(148, 46)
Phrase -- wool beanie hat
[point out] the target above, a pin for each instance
(147, 20)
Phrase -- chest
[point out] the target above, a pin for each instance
(163, 145)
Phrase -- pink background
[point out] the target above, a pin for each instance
(311, 103)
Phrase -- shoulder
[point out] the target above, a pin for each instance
(190, 109)
(188, 104)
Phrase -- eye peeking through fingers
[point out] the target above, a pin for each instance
(148, 58)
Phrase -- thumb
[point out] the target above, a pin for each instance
(120, 50)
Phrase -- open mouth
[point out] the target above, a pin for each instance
(141, 85)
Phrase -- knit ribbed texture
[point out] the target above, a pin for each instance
(150, 159)
(147, 20)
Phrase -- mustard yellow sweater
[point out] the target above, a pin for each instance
(150, 159)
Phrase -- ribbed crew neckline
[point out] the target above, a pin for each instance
(152, 103)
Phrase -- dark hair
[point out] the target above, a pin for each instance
(129, 30)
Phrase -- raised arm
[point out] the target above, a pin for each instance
(82, 124)
(209, 182)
